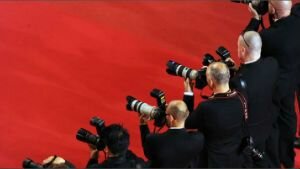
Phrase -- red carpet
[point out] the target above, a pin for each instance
(66, 61)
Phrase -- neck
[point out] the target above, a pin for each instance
(250, 60)
(221, 89)
(281, 15)
(178, 125)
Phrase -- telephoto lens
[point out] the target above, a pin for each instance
(143, 108)
(28, 163)
(174, 68)
(87, 137)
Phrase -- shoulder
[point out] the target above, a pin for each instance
(196, 139)
(132, 156)
(270, 63)
(270, 60)
(202, 107)
(196, 135)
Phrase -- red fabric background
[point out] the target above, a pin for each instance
(66, 61)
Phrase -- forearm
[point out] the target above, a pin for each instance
(253, 25)
(189, 101)
(91, 162)
(94, 154)
(144, 130)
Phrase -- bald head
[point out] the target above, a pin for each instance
(178, 110)
(249, 45)
(218, 72)
(281, 8)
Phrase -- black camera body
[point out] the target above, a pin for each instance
(249, 149)
(90, 138)
(28, 163)
(261, 6)
(158, 114)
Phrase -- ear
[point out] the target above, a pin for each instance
(210, 83)
(243, 50)
(106, 149)
(271, 9)
(171, 118)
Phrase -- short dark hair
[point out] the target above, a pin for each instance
(116, 138)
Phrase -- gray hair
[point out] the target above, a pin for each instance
(219, 72)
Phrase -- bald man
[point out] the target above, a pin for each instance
(256, 79)
(175, 148)
(281, 41)
(220, 118)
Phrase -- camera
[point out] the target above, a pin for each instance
(158, 114)
(261, 6)
(174, 68)
(249, 149)
(28, 163)
(208, 59)
(98, 123)
(90, 138)
(224, 55)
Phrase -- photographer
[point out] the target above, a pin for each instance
(175, 148)
(116, 139)
(53, 161)
(252, 82)
(220, 118)
(281, 41)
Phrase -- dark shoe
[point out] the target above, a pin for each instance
(297, 143)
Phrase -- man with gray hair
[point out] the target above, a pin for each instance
(220, 118)
(256, 79)
(281, 40)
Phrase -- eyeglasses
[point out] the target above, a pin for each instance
(242, 34)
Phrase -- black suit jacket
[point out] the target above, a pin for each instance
(221, 121)
(175, 148)
(281, 41)
(260, 78)
(128, 160)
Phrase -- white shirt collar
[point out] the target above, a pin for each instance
(176, 127)
(252, 61)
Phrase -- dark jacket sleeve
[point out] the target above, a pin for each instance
(145, 136)
(92, 163)
(144, 129)
(139, 162)
(189, 101)
(253, 25)
(194, 121)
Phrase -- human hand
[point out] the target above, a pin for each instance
(188, 85)
(253, 12)
(93, 151)
(143, 119)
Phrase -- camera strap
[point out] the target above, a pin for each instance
(245, 112)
